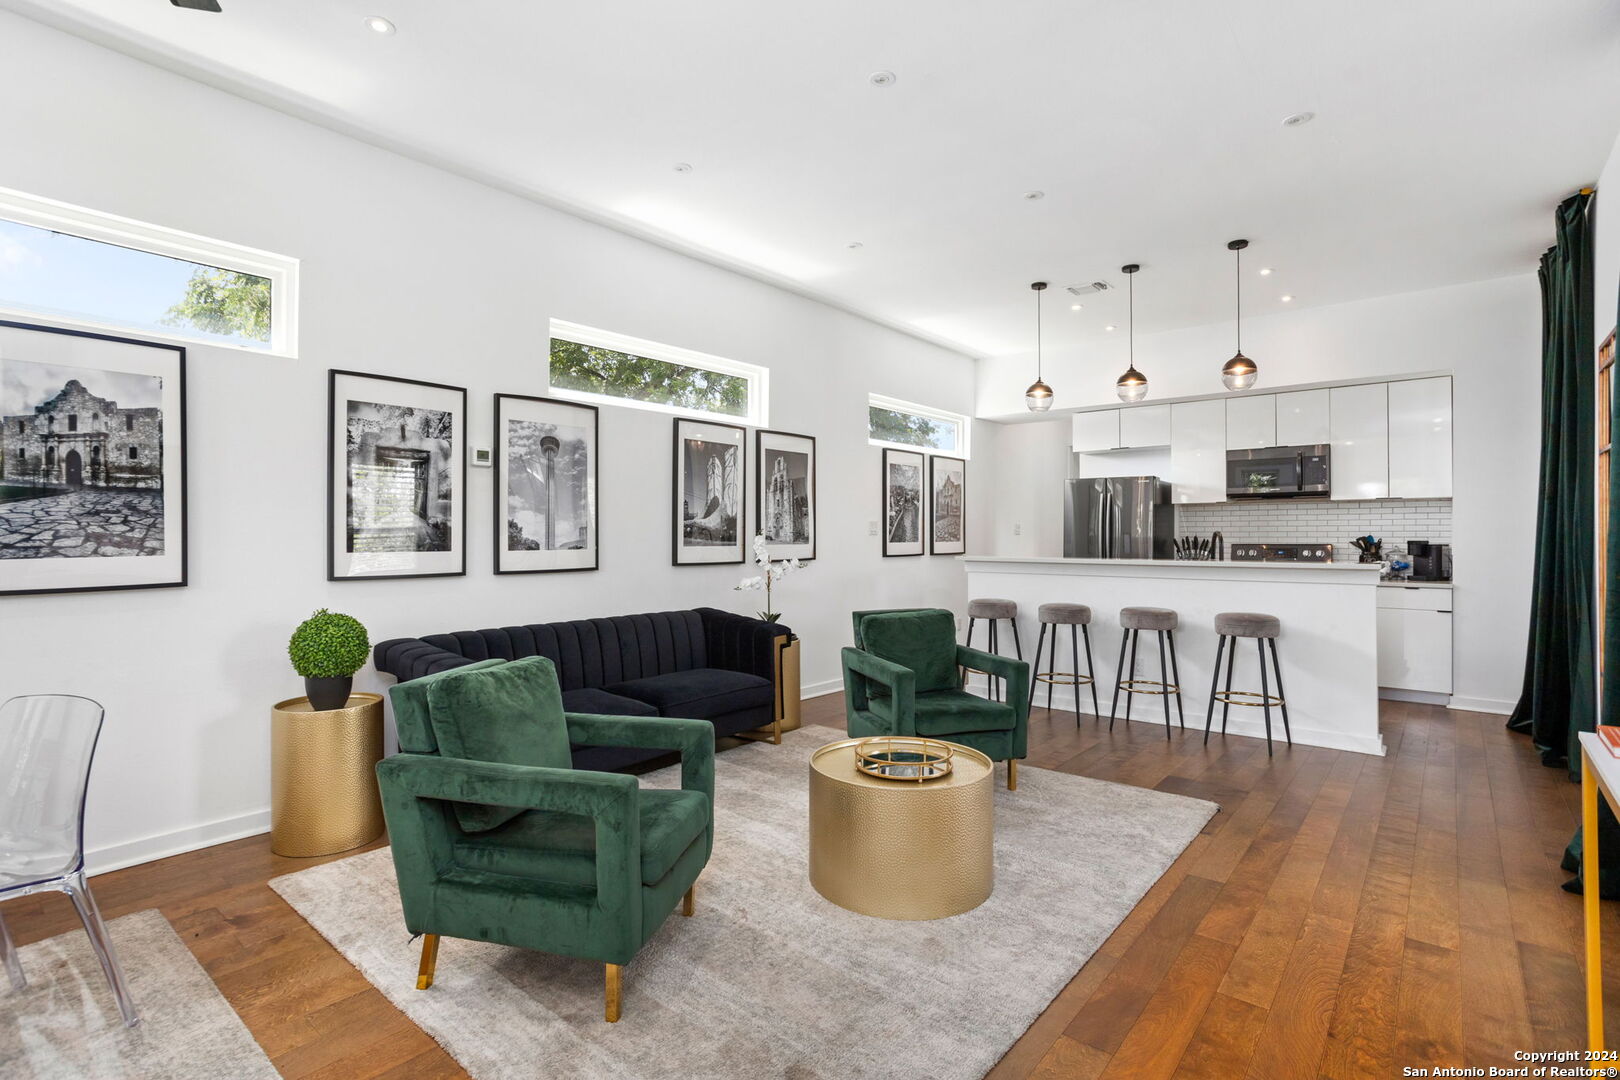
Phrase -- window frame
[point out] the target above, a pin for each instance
(964, 426)
(758, 376)
(99, 227)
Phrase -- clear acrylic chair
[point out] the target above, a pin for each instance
(47, 742)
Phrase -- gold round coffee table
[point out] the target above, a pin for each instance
(901, 849)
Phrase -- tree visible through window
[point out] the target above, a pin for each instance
(224, 302)
(596, 370)
(893, 422)
(888, 425)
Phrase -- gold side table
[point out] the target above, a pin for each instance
(900, 849)
(323, 776)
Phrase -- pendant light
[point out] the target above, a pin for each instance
(1133, 385)
(1039, 396)
(1240, 372)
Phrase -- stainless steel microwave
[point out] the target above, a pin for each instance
(1278, 472)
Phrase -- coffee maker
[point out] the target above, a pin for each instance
(1430, 562)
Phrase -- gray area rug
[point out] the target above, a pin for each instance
(65, 1024)
(768, 979)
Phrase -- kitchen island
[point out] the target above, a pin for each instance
(1328, 647)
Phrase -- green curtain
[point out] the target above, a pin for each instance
(1558, 700)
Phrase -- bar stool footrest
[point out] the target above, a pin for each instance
(1135, 686)
(1064, 678)
(1255, 700)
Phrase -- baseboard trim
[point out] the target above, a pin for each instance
(1485, 705)
(1419, 697)
(820, 689)
(162, 845)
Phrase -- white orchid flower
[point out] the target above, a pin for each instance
(749, 584)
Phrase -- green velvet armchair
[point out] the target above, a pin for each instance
(495, 838)
(903, 678)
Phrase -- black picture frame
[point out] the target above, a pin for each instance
(950, 547)
(901, 549)
(677, 519)
(501, 549)
(784, 550)
(173, 571)
(336, 431)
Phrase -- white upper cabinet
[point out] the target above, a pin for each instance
(1420, 438)
(1302, 418)
(1198, 451)
(1096, 431)
(1359, 423)
(1251, 422)
(1147, 425)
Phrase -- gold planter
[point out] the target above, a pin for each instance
(323, 776)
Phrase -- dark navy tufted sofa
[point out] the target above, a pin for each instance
(704, 664)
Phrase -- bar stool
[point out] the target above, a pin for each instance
(1163, 621)
(1072, 616)
(1263, 628)
(993, 609)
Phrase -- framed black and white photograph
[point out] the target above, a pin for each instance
(947, 490)
(545, 485)
(92, 461)
(709, 511)
(902, 503)
(396, 478)
(785, 493)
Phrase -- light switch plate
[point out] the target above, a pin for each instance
(1018, 528)
(871, 528)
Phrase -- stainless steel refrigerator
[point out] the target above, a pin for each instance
(1118, 517)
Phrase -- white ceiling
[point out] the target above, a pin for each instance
(1446, 131)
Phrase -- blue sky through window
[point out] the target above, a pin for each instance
(69, 277)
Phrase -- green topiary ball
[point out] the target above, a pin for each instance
(328, 646)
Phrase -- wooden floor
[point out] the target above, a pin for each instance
(1342, 916)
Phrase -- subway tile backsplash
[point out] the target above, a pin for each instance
(1304, 521)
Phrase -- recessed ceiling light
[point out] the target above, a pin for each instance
(1110, 329)
(1076, 307)
(1031, 196)
(681, 166)
(882, 78)
(1265, 271)
(1288, 299)
(855, 245)
(379, 24)
(1298, 118)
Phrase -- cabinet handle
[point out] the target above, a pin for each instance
(1443, 611)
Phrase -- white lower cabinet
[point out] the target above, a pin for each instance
(1414, 639)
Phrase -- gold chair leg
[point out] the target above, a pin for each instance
(430, 958)
(776, 737)
(614, 989)
(688, 901)
(1012, 774)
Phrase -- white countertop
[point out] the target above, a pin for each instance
(1184, 564)
(1414, 584)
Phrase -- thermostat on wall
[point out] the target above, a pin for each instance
(481, 457)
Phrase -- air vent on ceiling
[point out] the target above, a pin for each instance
(1088, 288)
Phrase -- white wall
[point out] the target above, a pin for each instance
(407, 271)
(1486, 334)
(1606, 261)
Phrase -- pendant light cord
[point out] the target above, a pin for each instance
(1131, 321)
(1038, 376)
(1238, 275)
